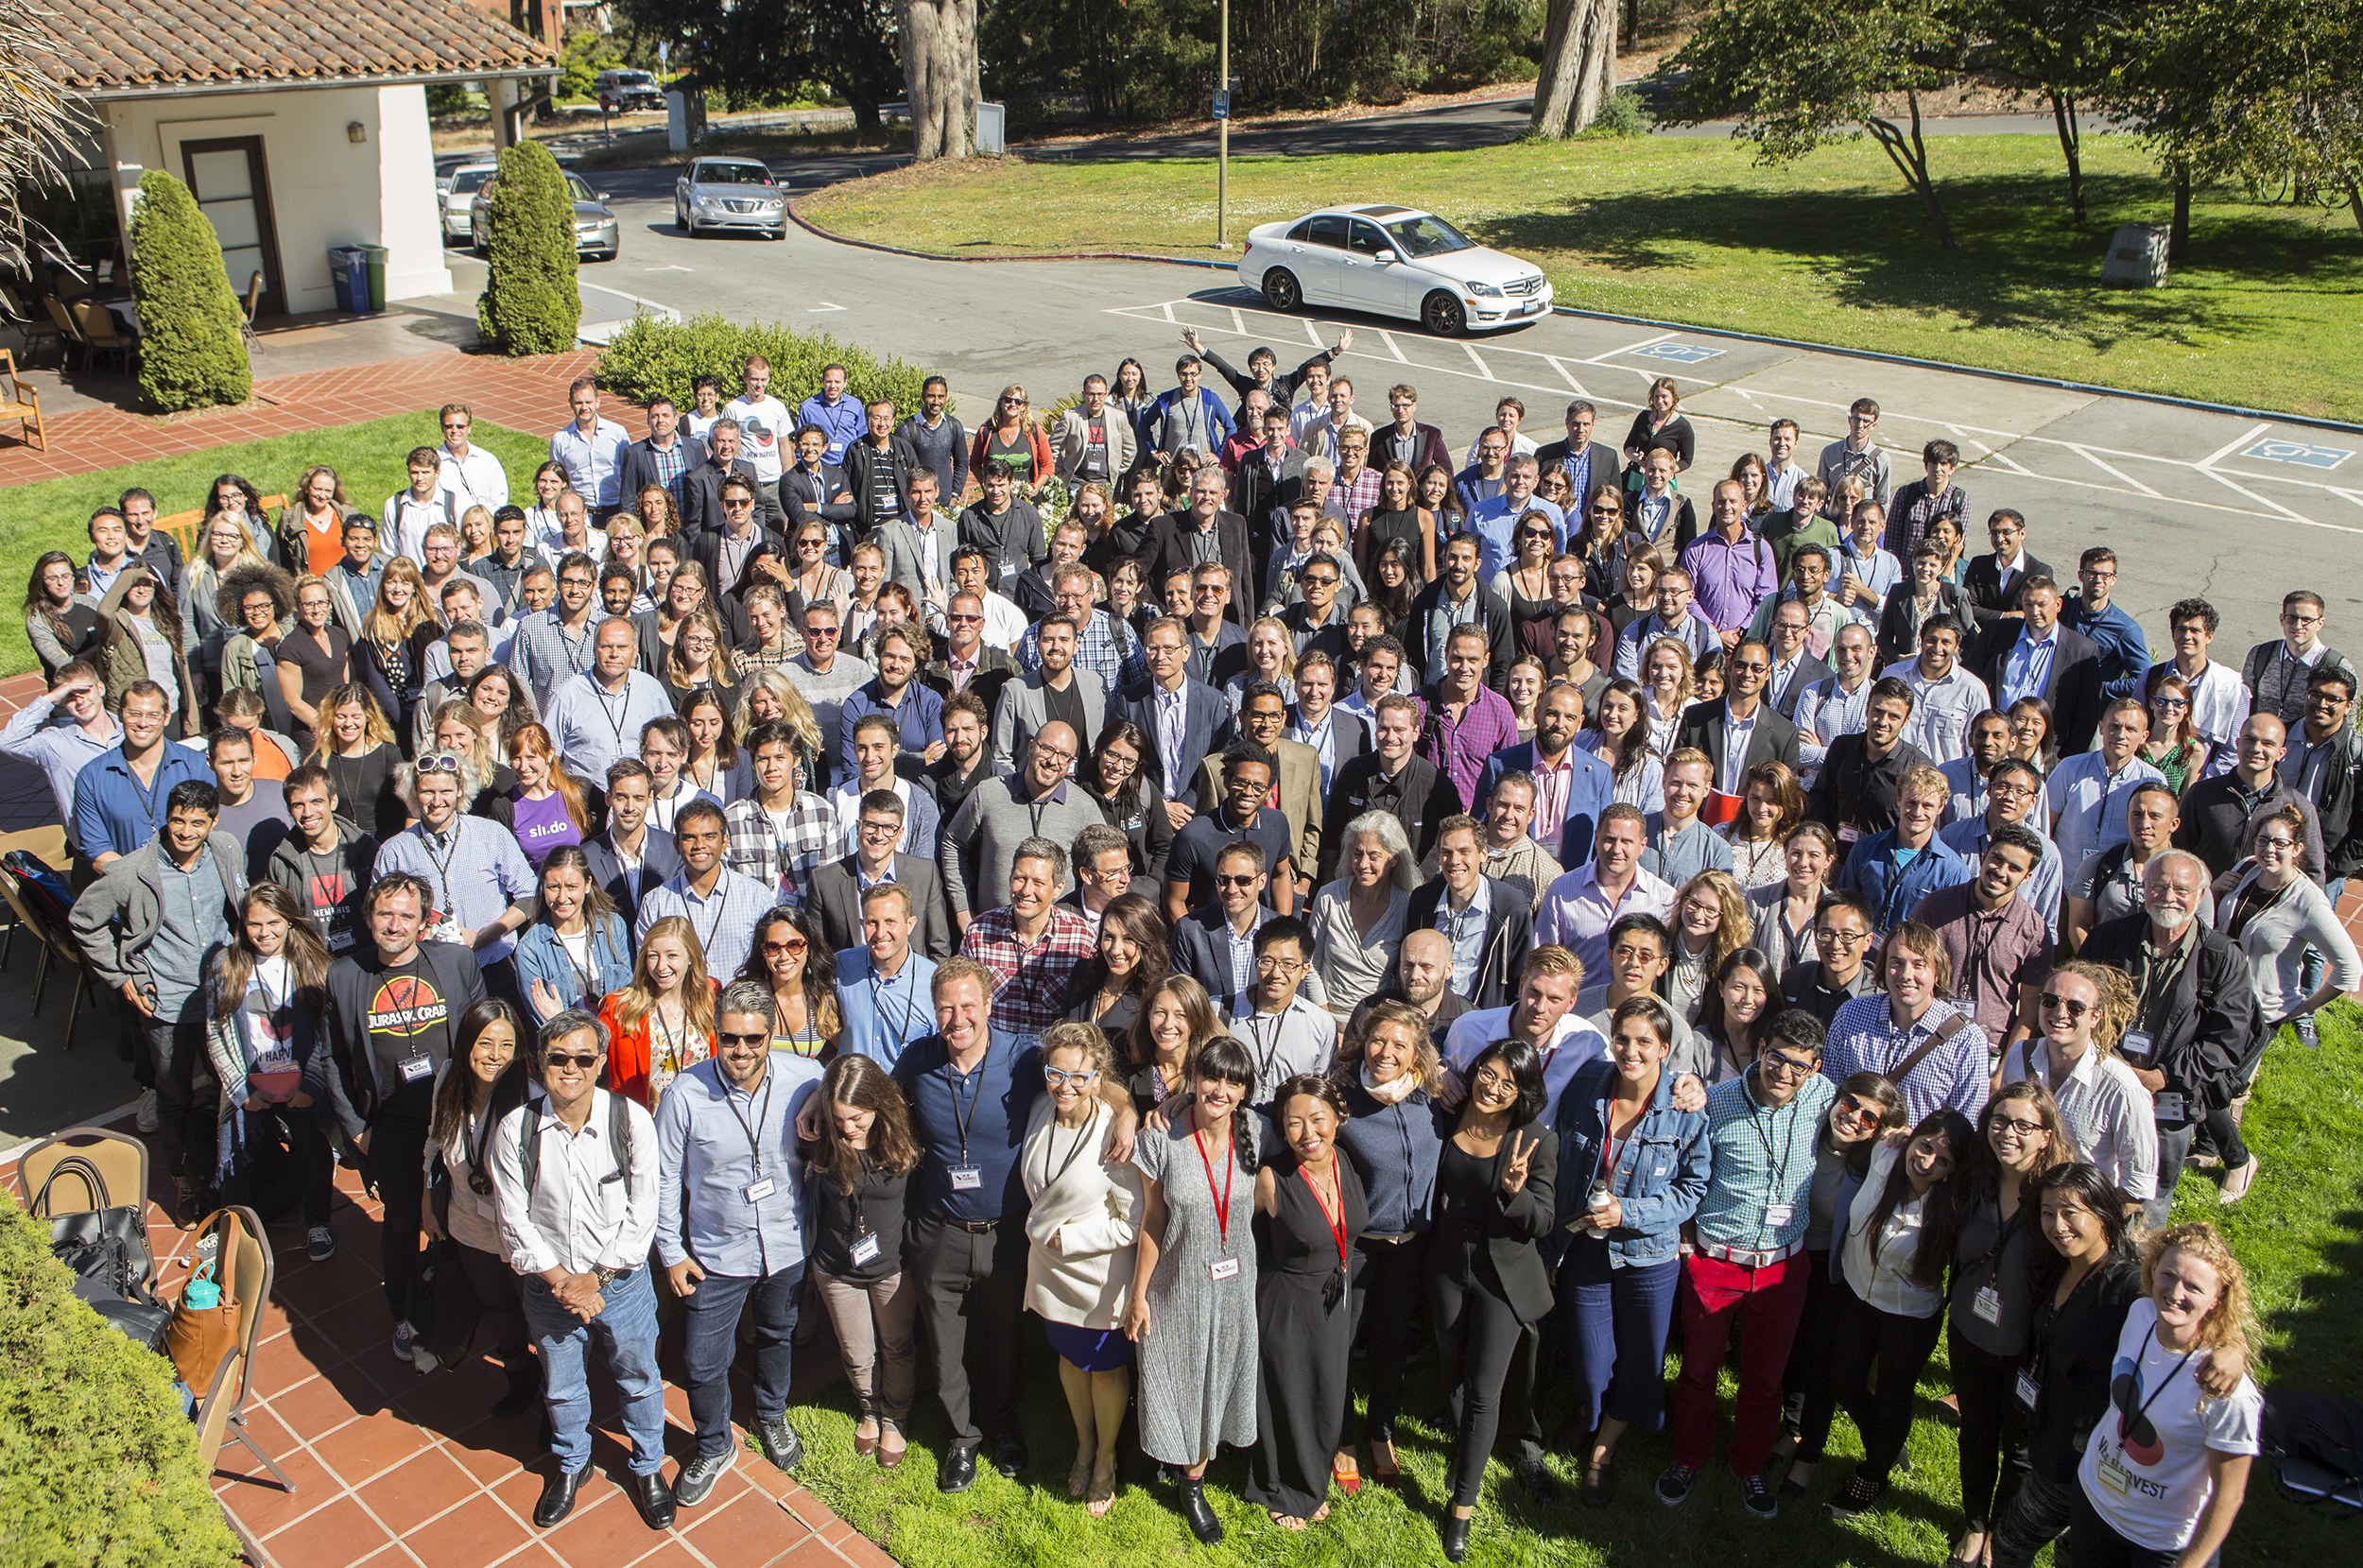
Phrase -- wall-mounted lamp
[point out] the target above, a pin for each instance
(356, 132)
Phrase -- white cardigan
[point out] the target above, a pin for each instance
(2275, 943)
(1092, 1208)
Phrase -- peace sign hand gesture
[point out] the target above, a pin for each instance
(1515, 1174)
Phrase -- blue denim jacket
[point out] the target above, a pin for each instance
(540, 957)
(1662, 1169)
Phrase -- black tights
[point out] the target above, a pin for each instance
(1900, 1347)
(1993, 1458)
(1476, 1338)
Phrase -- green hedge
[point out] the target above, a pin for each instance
(192, 355)
(652, 356)
(98, 1464)
(529, 304)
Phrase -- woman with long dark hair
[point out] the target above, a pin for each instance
(857, 1175)
(1176, 1019)
(1619, 737)
(60, 622)
(500, 696)
(1896, 1242)
(1192, 1313)
(267, 1037)
(1118, 782)
(390, 654)
(713, 767)
(1129, 957)
(577, 949)
(791, 956)
(1991, 1299)
(484, 1080)
(1660, 424)
(140, 640)
(1394, 583)
(1736, 1013)
(1496, 1197)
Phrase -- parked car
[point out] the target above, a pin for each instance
(595, 233)
(730, 193)
(622, 91)
(459, 199)
(1393, 261)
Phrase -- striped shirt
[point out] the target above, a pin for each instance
(1759, 1192)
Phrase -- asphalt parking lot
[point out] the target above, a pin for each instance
(2235, 507)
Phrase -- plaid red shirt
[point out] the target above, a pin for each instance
(1460, 748)
(1357, 497)
(1029, 985)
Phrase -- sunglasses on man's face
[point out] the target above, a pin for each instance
(726, 1037)
(557, 1059)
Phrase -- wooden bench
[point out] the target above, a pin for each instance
(183, 524)
(23, 403)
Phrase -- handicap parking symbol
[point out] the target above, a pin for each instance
(1679, 354)
(2299, 453)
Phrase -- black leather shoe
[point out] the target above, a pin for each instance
(1536, 1475)
(654, 1500)
(1455, 1534)
(558, 1497)
(1195, 1508)
(956, 1471)
(1008, 1456)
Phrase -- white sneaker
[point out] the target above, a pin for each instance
(146, 1119)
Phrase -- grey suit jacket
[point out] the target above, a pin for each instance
(907, 564)
(835, 899)
(1023, 711)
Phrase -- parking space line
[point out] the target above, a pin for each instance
(1483, 369)
(1239, 322)
(1393, 347)
(1603, 358)
(2226, 451)
(1561, 366)
(2086, 453)
(2242, 490)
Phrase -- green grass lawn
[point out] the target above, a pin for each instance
(2299, 1233)
(1832, 250)
(52, 514)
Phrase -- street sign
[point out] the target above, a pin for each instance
(664, 52)
(1222, 104)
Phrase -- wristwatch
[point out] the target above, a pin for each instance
(605, 1276)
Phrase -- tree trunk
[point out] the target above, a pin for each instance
(2355, 201)
(2179, 232)
(940, 66)
(2071, 143)
(1910, 157)
(1578, 67)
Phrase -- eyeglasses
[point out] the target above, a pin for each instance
(439, 761)
(1057, 1080)
(1229, 880)
(1046, 753)
(881, 830)
(2012, 1123)
(2073, 1008)
(2275, 841)
(1267, 964)
(1840, 939)
(559, 1059)
(758, 1038)
(1773, 1061)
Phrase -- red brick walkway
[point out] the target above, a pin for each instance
(524, 394)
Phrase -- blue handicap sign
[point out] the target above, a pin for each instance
(1680, 353)
(2299, 453)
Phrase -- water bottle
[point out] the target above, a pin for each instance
(203, 1293)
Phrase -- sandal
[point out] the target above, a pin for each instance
(1321, 1513)
(1385, 1469)
(1348, 1473)
(1079, 1476)
(1103, 1491)
(1286, 1520)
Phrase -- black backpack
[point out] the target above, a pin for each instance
(2316, 1441)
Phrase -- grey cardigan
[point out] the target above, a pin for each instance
(2275, 943)
(116, 917)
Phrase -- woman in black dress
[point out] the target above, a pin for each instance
(1308, 1209)
(314, 659)
(1659, 425)
(390, 655)
(1496, 1196)
(1125, 798)
(1128, 959)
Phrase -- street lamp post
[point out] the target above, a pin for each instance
(1222, 135)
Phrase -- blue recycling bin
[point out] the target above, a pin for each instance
(348, 274)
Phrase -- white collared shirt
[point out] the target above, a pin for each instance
(578, 1217)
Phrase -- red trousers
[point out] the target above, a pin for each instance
(1713, 1294)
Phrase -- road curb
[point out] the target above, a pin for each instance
(1877, 356)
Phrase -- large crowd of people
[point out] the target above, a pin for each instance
(1564, 907)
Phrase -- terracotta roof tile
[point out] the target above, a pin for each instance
(130, 43)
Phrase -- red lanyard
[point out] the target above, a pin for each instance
(1336, 1224)
(1607, 1137)
(1222, 1198)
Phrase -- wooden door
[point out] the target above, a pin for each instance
(231, 183)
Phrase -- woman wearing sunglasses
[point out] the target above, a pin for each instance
(483, 1081)
(791, 958)
(2276, 913)
(1524, 584)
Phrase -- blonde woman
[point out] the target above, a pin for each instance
(663, 1021)
(770, 695)
(1271, 655)
(390, 655)
(1710, 921)
(1665, 675)
(224, 546)
(358, 749)
(1080, 1232)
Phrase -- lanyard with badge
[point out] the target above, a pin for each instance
(762, 1187)
(420, 1064)
(1267, 1053)
(1987, 1303)
(1225, 1266)
(965, 1177)
(866, 1246)
(1777, 1217)
(2109, 1463)
(878, 995)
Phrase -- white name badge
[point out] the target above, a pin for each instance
(1224, 1268)
(1987, 1305)
(966, 1179)
(758, 1191)
(1008, 568)
(2135, 1043)
(1849, 832)
(2027, 1389)
(1778, 1215)
(2113, 1474)
(415, 1068)
(866, 1249)
(2167, 1106)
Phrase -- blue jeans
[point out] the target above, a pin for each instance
(1612, 1322)
(625, 1332)
(2310, 971)
(712, 1326)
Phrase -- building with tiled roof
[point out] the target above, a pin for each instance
(300, 125)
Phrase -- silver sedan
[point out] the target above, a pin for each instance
(730, 193)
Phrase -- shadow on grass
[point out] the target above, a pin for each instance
(2022, 266)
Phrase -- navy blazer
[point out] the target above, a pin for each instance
(1201, 947)
(1205, 729)
(1349, 732)
(659, 860)
(702, 497)
(1593, 791)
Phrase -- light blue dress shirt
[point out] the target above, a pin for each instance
(883, 1014)
(716, 1144)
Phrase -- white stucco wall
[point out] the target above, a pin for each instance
(326, 188)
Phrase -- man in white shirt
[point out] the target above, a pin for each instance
(574, 1179)
(1543, 1016)
(1945, 696)
(1323, 437)
(765, 429)
(1306, 417)
(597, 716)
(591, 450)
(470, 476)
(2220, 700)
(1781, 472)
(574, 533)
(409, 513)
